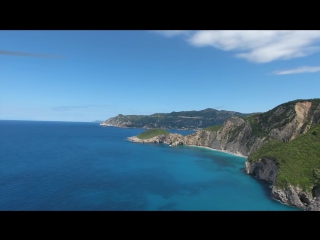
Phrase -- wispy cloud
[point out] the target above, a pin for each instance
(26, 54)
(172, 33)
(305, 69)
(72, 108)
(259, 46)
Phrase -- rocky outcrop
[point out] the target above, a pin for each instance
(117, 121)
(292, 195)
(171, 139)
(265, 169)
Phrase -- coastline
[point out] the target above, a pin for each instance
(134, 139)
(224, 151)
(180, 129)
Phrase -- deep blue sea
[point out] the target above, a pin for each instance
(83, 166)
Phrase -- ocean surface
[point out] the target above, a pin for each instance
(51, 166)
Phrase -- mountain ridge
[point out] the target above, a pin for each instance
(187, 120)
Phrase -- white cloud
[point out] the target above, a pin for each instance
(259, 46)
(172, 33)
(298, 70)
(232, 40)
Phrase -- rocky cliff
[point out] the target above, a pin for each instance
(294, 184)
(246, 135)
(233, 136)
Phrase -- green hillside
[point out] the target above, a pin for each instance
(175, 120)
(152, 133)
(298, 160)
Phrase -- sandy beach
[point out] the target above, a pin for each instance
(135, 139)
(224, 151)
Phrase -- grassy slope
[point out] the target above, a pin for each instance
(213, 128)
(152, 133)
(298, 160)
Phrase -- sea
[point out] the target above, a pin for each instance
(81, 166)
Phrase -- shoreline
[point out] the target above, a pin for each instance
(134, 139)
(224, 151)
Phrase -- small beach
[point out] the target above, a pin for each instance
(224, 151)
(135, 139)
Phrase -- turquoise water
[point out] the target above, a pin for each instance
(82, 166)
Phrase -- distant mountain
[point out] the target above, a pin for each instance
(174, 120)
(97, 121)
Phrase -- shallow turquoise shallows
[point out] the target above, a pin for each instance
(82, 166)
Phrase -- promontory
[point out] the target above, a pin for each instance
(282, 147)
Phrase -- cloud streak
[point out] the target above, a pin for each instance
(305, 69)
(259, 46)
(25, 54)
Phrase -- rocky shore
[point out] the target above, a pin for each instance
(266, 169)
(175, 139)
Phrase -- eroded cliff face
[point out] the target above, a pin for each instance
(293, 128)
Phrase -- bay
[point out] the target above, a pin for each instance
(76, 166)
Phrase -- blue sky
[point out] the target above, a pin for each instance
(94, 75)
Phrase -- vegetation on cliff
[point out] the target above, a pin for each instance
(279, 117)
(298, 160)
(152, 133)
